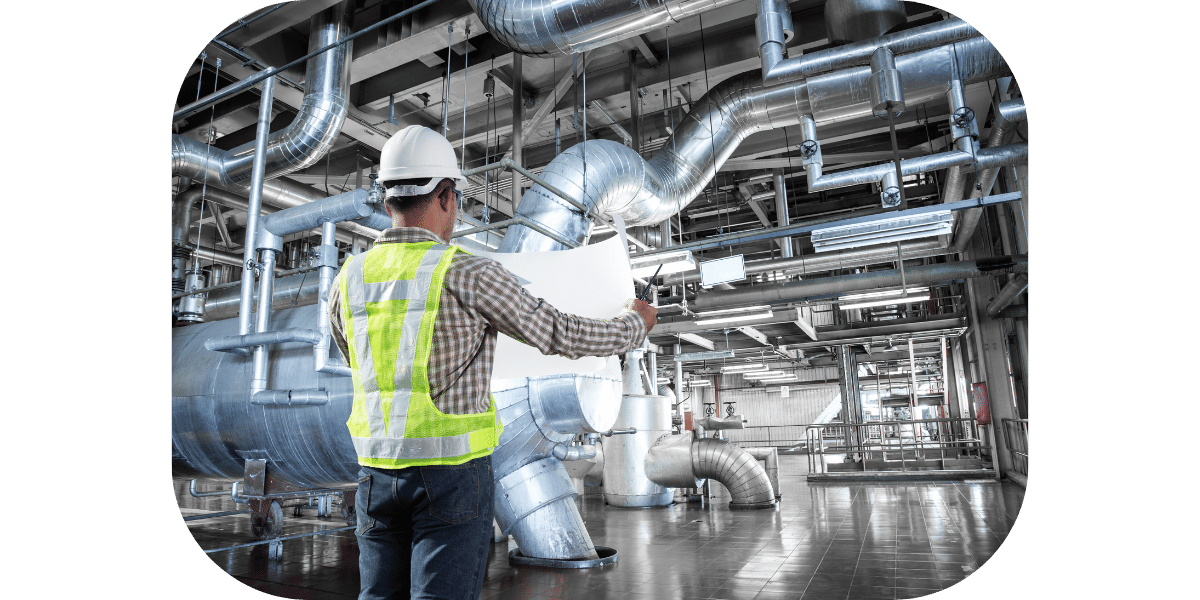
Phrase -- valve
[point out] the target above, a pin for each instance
(963, 117)
(890, 196)
(376, 194)
(809, 148)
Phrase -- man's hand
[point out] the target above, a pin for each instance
(648, 313)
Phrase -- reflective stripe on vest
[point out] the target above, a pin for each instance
(390, 442)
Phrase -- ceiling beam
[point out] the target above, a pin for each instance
(433, 39)
(644, 47)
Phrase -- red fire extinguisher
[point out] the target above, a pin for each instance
(983, 414)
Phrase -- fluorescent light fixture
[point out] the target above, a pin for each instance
(882, 231)
(882, 298)
(748, 368)
(672, 262)
(763, 375)
(884, 302)
(734, 314)
(778, 377)
(722, 270)
(694, 356)
(699, 383)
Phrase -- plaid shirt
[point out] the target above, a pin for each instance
(479, 299)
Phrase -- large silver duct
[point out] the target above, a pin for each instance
(679, 460)
(857, 20)
(825, 286)
(618, 181)
(625, 481)
(310, 135)
(564, 27)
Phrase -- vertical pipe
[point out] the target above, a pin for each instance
(679, 383)
(769, 27)
(446, 86)
(781, 210)
(255, 207)
(912, 367)
(265, 294)
(634, 104)
(518, 126)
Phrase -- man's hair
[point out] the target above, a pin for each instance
(407, 203)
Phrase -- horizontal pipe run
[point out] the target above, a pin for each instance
(249, 82)
(828, 261)
(1014, 311)
(986, 158)
(195, 494)
(507, 163)
(250, 340)
(1015, 287)
(859, 53)
(290, 398)
(343, 207)
(534, 225)
(771, 233)
(862, 281)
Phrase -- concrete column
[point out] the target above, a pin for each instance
(851, 394)
(994, 359)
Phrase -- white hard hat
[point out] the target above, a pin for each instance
(417, 152)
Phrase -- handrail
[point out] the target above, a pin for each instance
(920, 445)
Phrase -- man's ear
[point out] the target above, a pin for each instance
(446, 199)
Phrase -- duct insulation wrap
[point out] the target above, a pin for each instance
(625, 481)
(736, 469)
(619, 181)
(551, 28)
(215, 427)
(539, 414)
(769, 456)
(669, 461)
(536, 504)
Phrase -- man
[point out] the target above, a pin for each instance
(422, 319)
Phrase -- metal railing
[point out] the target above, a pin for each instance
(1016, 437)
(918, 445)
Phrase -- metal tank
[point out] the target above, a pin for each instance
(625, 481)
(215, 426)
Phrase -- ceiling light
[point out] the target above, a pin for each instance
(678, 261)
(733, 314)
(762, 374)
(747, 368)
(698, 383)
(883, 231)
(777, 377)
(884, 302)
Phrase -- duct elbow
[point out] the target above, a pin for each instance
(736, 469)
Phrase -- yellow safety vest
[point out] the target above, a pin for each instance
(390, 298)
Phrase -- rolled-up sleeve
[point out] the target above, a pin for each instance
(499, 297)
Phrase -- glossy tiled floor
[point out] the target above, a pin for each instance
(823, 540)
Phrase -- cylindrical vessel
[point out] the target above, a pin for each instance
(215, 428)
(625, 482)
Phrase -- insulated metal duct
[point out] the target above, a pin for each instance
(611, 178)
(564, 27)
(857, 20)
(679, 460)
(1015, 287)
(826, 286)
(309, 136)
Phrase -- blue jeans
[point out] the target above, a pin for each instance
(424, 532)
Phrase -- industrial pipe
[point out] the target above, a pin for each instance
(829, 261)
(643, 192)
(550, 28)
(310, 135)
(1015, 287)
(861, 281)
(736, 469)
(1010, 113)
